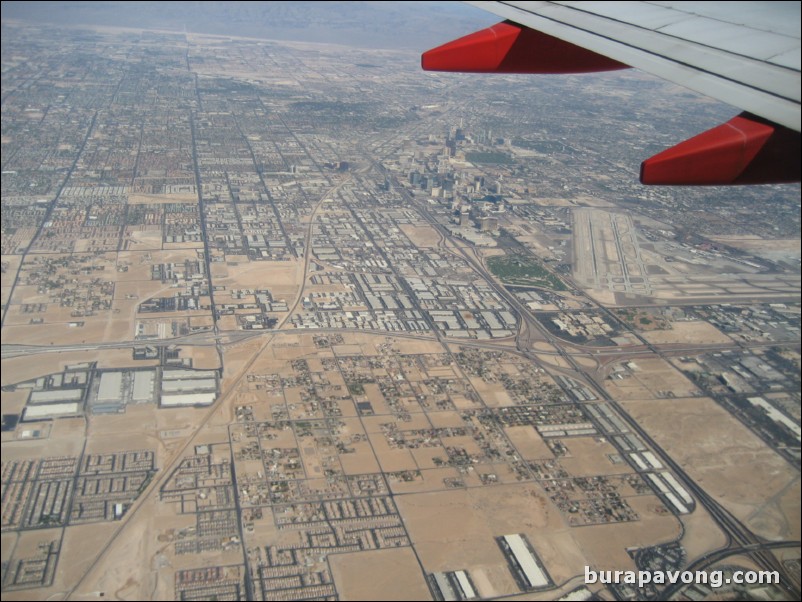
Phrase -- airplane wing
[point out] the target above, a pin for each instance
(746, 54)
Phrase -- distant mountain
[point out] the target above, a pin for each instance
(410, 25)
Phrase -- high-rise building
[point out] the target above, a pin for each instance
(488, 224)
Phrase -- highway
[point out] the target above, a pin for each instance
(531, 331)
(740, 539)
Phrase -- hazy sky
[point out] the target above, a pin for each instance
(413, 25)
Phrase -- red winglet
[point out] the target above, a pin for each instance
(509, 48)
(745, 150)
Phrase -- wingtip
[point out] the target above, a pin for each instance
(511, 48)
(745, 150)
(481, 51)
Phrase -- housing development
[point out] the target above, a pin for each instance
(293, 321)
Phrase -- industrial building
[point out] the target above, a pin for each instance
(111, 386)
(453, 585)
(55, 396)
(184, 373)
(51, 410)
(522, 559)
(671, 491)
(188, 399)
(143, 386)
(186, 385)
(188, 388)
(110, 397)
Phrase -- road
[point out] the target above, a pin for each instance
(740, 539)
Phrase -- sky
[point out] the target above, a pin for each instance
(415, 26)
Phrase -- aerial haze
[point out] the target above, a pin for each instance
(286, 317)
(409, 25)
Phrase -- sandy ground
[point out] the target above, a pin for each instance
(13, 401)
(605, 546)
(66, 440)
(205, 358)
(702, 535)
(493, 394)
(142, 238)
(544, 347)
(728, 460)
(590, 456)
(490, 252)
(404, 582)
(11, 265)
(280, 277)
(445, 419)
(553, 360)
(586, 362)
(687, 332)
(421, 236)
(652, 378)
(74, 560)
(183, 246)
(362, 461)
(587, 201)
(528, 442)
(7, 542)
(391, 460)
(455, 530)
(61, 332)
(602, 296)
(139, 428)
(237, 355)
